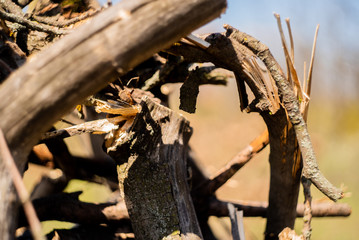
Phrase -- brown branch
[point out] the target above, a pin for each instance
(11, 7)
(259, 209)
(64, 23)
(290, 102)
(30, 24)
(20, 188)
(243, 157)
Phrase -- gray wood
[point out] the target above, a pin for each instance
(153, 175)
(80, 64)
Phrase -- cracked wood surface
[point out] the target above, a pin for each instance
(152, 174)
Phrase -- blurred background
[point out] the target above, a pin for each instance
(221, 130)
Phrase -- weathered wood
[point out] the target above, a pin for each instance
(290, 102)
(228, 52)
(82, 63)
(153, 172)
(259, 209)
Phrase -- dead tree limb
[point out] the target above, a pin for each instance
(232, 51)
(101, 126)
(243, 157)
(30, 24)
(225, 51)
(152, 172)
(290, 102)
(112, 43)
(259, 209)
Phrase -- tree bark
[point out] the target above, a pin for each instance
(284, 178)
(152, 174)
(228, 52)
(81, 64)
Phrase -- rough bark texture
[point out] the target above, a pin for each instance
(82, 63)
(289, 99)
(153, 173)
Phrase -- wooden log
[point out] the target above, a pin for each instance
(152, 175)
(82, 63)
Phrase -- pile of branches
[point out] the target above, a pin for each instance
(110, 72)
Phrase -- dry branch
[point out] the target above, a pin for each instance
(225, 51)
(233, 52)
(112, 43)
(100, 126)
(210, 186)
(259, 209)
(311, 169)
(30, 24)
(64, 23)
(11, 7)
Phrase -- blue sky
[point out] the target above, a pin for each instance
(337, 47)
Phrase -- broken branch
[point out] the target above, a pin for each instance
(311, 169)
(30, 24)
(101, 126)
(243, 157)
(259, 209)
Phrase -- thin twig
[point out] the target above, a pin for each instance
(259, 209)
(6, 156)
(31, 25)
(236, 163)
(98, 126)
(64, 23)
(292, 73)
(310, 74)
(291, 39)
